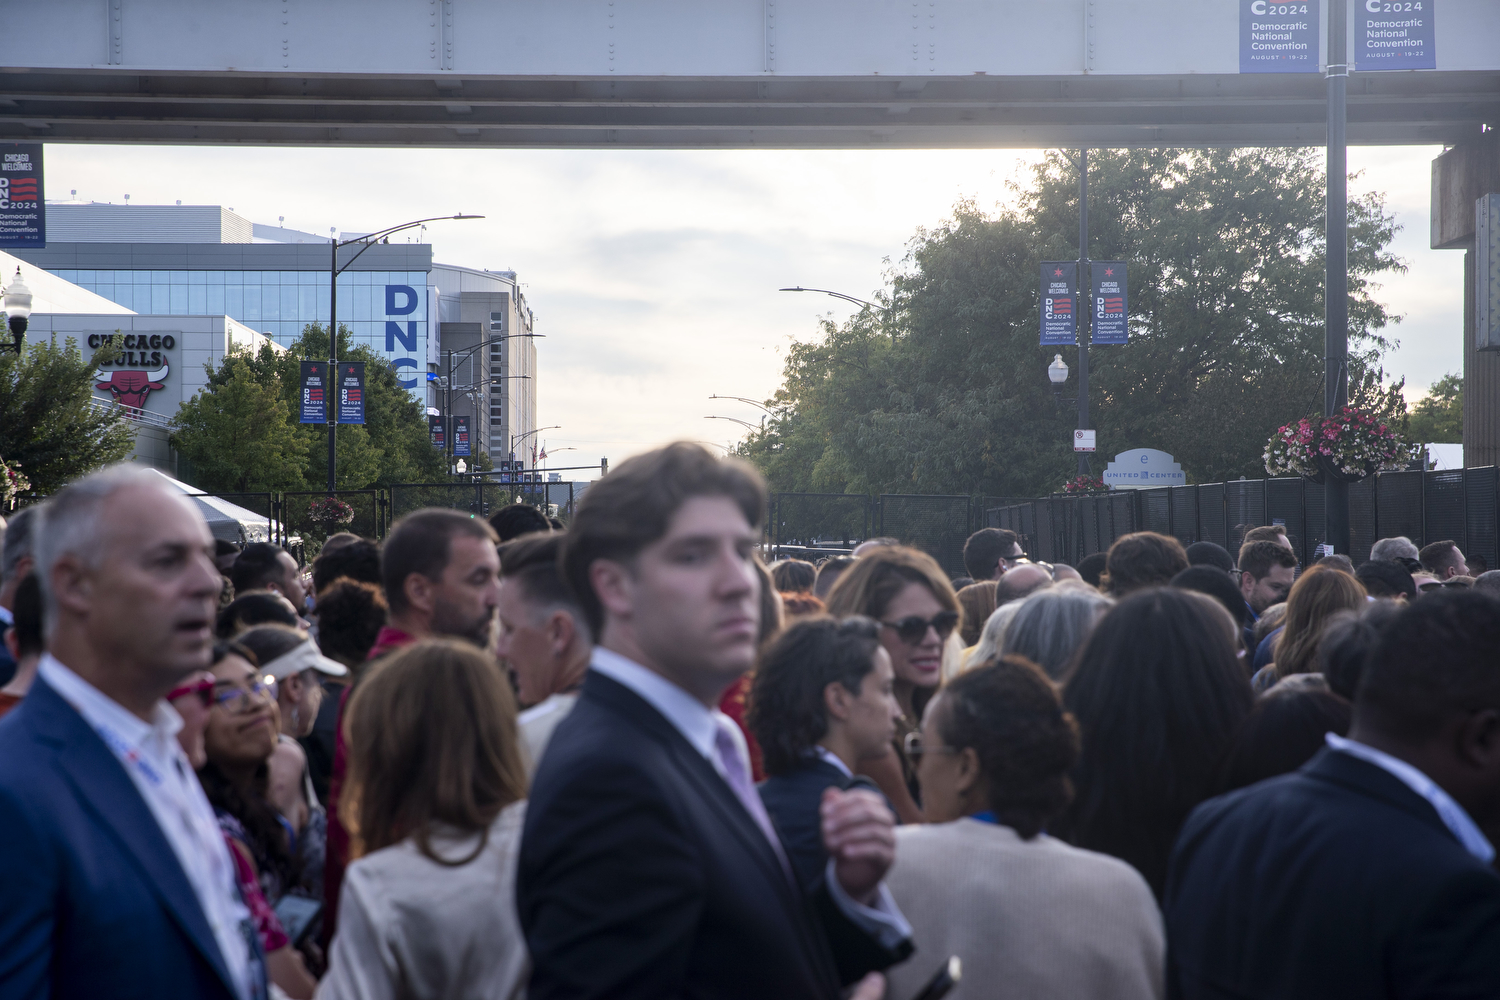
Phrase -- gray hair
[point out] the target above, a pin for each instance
(1399, 547)
(993, 635)
(71, 524)
(17, 545)
(1489, 582)
(1052, 626)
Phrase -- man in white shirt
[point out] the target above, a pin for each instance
(649, 867)
(543, 638)
(115, 874)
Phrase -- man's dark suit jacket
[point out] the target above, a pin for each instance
(93, 902)
(1336, 881)
(794, 800)
(641, 874)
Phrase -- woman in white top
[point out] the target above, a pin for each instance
(434, 806)
(1028, 915)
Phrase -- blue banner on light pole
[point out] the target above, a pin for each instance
(461, 436)
(1111, 318)
(351, 383)
(1391, 35)
(23, 204)
(1279, 37)
(1059, 302)
(314, 392)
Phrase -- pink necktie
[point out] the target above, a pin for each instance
(737, 775)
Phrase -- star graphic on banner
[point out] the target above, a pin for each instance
(1057, 273)
(1109, 272)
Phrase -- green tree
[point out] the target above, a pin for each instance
(237, 437)
(49, 423)
(392, 446)
(1439, 419)
(945, 391)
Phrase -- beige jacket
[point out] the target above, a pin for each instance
(1030, 920)
(412, 929)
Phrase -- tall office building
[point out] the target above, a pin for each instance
(208, 260)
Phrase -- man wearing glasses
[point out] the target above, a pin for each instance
(116, 875)
(990, 552)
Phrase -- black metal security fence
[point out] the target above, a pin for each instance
(1461, 504)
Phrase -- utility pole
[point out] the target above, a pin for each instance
(1336, 282)
(1085, 295)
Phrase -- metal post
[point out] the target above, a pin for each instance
(1085, 299)
(333, 339)
(1336, 283)
(448, 414)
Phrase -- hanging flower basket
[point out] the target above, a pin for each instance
(330, 512)
(1084, 485)
(1345, 448)
(12, 483)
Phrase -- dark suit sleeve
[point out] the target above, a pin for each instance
(28, 890)
(855, 951)
(609, 889)
(1453, 949)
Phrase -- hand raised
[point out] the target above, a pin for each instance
(859, 834)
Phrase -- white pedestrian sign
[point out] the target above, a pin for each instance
(1083, 440)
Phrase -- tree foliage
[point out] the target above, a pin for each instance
(1439, 419)
(48, 422)
(944, 389)
(392, 446)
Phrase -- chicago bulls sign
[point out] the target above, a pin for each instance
(130, 388)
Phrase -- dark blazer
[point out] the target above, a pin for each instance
(1336, 881)
(641, 874)
(93, 902)
(793, 800)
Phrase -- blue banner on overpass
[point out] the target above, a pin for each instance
(1278, 37)
(1394, 35)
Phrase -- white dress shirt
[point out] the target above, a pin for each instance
(699, 725)
(1453, 815)
(151, 755)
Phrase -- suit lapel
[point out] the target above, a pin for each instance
(107, 791)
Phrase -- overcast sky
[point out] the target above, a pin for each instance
(654, 275)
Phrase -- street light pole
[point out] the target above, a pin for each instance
(1336, 280)
(369, 240)
(448, 388)
(1085, 294)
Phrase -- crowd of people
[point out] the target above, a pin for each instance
(626, 758)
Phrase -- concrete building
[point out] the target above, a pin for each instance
(206, 260)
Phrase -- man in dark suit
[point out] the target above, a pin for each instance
(648, 866)
(115, 878)
(1365, 874)
(822, 701)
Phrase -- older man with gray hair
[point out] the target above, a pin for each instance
(115, 870)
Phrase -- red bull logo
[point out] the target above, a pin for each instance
(130, 388)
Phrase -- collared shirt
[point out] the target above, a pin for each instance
(699, 724)
(1453, 815)
(151, 755)
(828, 756)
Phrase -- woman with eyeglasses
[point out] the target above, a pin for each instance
(909, 597)
(1030, 916)
(202, 701)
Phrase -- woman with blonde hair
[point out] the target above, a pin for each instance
(1315, 598)
(909, 595)
(434, 806)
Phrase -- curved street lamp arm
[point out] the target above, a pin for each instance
(370, 239)
(743, 399)
(837, 295)
(737, 420)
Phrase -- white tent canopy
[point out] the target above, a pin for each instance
(226, 520)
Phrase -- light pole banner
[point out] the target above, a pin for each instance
(23, 205)
(1279, 37)
(461, 436)
(435, 430)
(1111, 312)
(1059, 298)
(351, 392)
(314, 392)
(1391, 35)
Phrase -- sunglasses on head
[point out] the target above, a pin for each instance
(913, 628)
(204, 689)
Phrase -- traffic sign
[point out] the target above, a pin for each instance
(1083, 440)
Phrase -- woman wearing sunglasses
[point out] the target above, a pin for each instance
(204, 701)
(908, 595)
